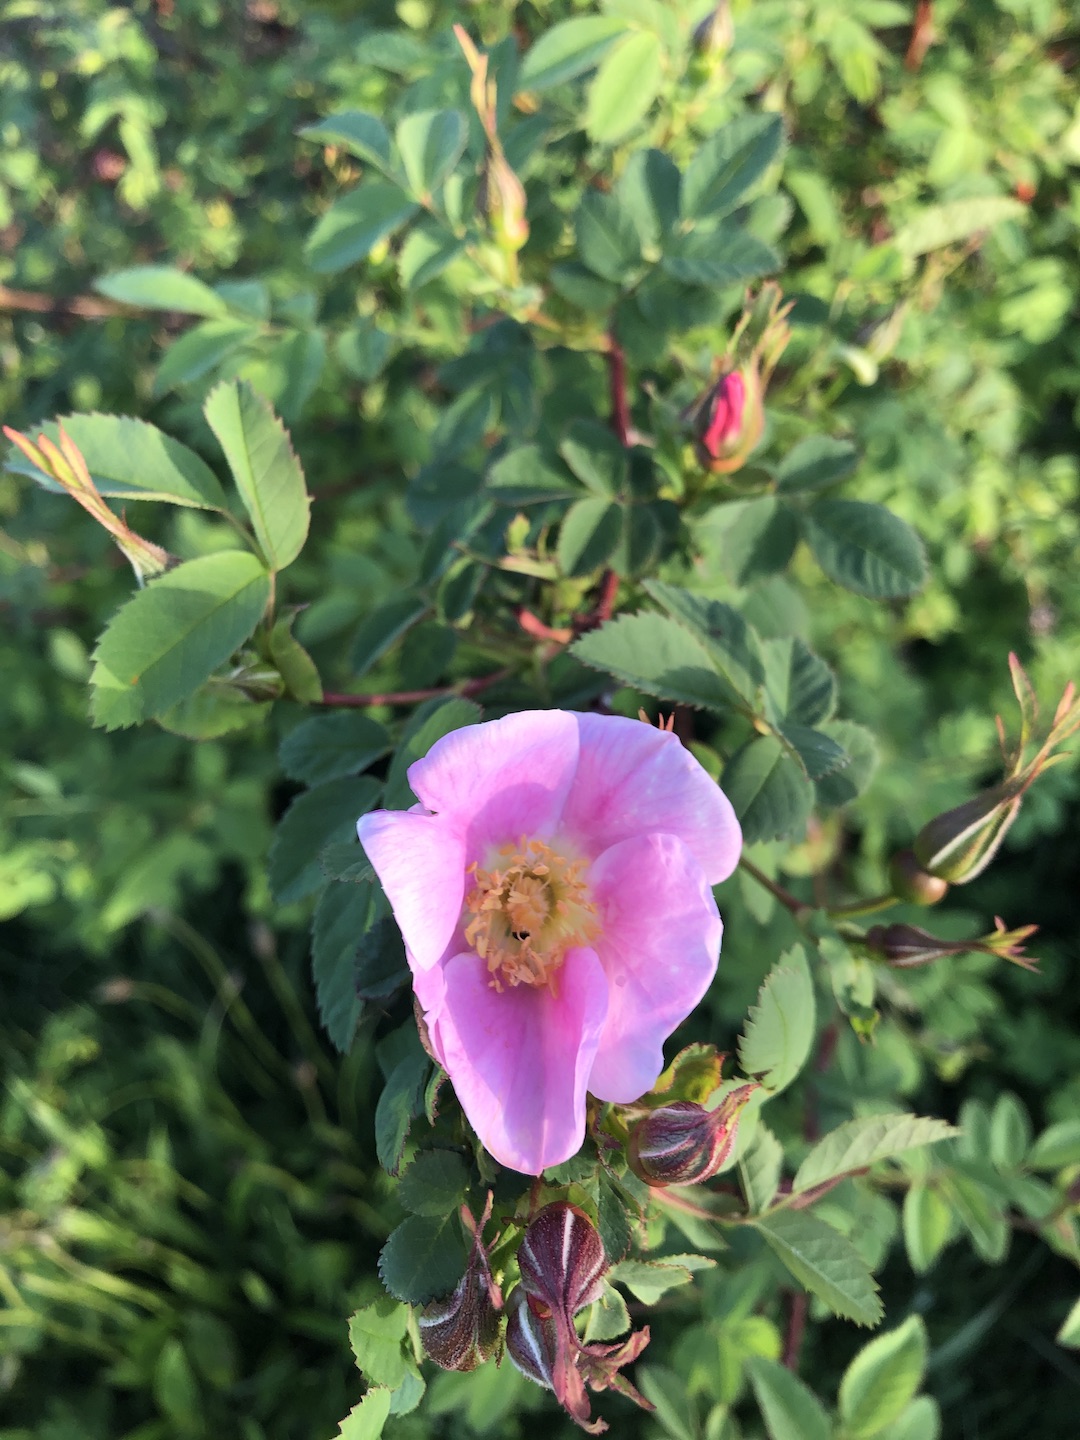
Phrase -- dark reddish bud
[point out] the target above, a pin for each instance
(911, 882)
(683, 1143)
(460, 1331)
(562, 1264)
(960, 844)
(562, 1260)
(906, 945)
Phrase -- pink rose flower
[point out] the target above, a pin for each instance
(553, 888)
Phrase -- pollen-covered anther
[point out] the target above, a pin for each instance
(527, 911)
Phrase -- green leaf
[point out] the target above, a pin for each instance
(529, 475)
(648, 191)
(1069, 1333)
(434, 1184)
(769, 790)
(790, 1410)
(361, 134)
(265, 468)
(715, 258)
(293, 663)
(800, 687)
(200, 351)
(981, 1214)
(780, 1029)
(667, 1392)
(927, 1221)
(589, 535)
(160, 287)
(607, 238)
(315, 818)
(381, 967)
(658, 656)
(759, 1168)
(131, 460)
(400, 1102)
(729, 163)
(383, 627)
(815, 463)
(342, 915)
(170, 637)
(363, 350)
(732, 644)
(760, 537)
(1057, 1146)
(920, 1421)
(329, 746)
(823, 1261)
(843, 786)
(865, 548)
(345, 860)
(649, 1279)
(568, 50)
(939, 225)
(429, 722)
(376, 1332)
(625, 87)
(215, 709)
(431, 143)
(355, 224)
(580, 287)
(426, 254)
(818, 753)
(595, 456)
(1010, 1132)
(366, 1420)
(859, 1143)
(609, 1317)
(882, 1380)
(423, 1259)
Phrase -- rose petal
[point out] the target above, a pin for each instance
(501, 780)
(659, 944)
(633, 779)
(420, 862)
(519, 1059)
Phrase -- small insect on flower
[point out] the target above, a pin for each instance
(554, 890)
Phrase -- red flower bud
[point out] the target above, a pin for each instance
(729, 420)
(683, 1143)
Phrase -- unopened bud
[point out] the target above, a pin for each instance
(959, 845)
(714, 36)
(730, 421)
(503, 199)
(461, 1330)
(905, 946)
(562, 1260)
(683, 1143)
(911, 882)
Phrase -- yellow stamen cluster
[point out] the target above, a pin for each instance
(527, 911)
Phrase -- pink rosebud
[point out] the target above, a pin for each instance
(554, 890)
(683, 1143)
(729, 420)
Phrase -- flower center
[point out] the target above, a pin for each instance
(527, 911)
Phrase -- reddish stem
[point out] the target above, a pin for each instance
(534, 626)
(796, 1328)
(922, 35)
(620, 405)
(86, 307)
(411, 697)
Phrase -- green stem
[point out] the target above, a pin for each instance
(785, 897)
(863, 907)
